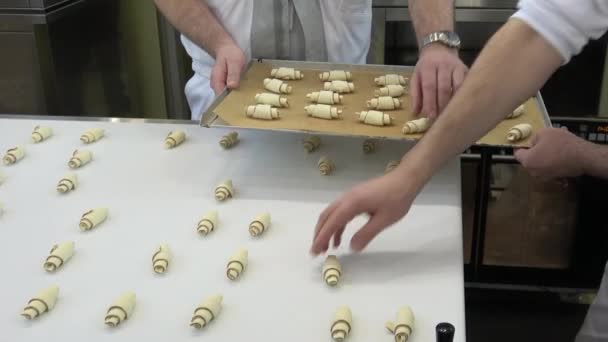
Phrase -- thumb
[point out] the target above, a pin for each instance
(218, 76)
(522, 155)
(233, 76)
(368, 232)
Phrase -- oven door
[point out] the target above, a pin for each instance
(394, 39)
(530, 233)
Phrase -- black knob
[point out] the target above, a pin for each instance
(445, 332)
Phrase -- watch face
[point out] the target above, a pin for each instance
(453, 39)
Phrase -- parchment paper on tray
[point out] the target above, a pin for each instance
(229, 110)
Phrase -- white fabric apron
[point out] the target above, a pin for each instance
(346, 23)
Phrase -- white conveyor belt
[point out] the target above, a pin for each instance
(157, 196)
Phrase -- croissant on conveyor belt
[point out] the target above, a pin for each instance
(80, 158)
(336, 75)
(389, 79)
(237, 264)
(384, 103)
(41, 133)
(286, 74)
(13, 155)
(517, 112)
(519, 132)
(206, 312)
(403, 327)
(93, 218)
(311, 143)
(325, 97)
(174, 139)
(262, 112)
(208, 223)
(394, 90)
(375, 118)
(260, 224)
(92, 135)
(229, 140)
(339, 86)
(121, 309)
(332, 271)
(274, 100)
(326, 167)
(416, 126)
(224, 191)
(277, 86)
(59, 255)
(161, 259)
(341, 324)
(369, 146)
(67, 183)
(44, 301)
(323, 111)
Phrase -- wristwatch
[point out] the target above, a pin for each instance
(447, 38)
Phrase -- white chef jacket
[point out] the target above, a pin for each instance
(347, 26)
(567, 25)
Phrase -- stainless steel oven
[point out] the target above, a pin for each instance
(518, 230)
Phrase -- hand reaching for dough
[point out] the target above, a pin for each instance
(385, 199)
(555, 153)
(229, 64)
(438, 74)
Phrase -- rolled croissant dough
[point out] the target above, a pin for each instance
(208, 310)
(59, 255)
(161, 259)
(121, 309)
(44, 301)
(237, 264)
(41, 133)
(341, 325)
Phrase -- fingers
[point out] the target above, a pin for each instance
(336, 222)
(338, 237)
(218, 76)
(323, 217)
(444, 88)
(233, 77)
(522, 155)
(415, 94)
(368, 232)
(457, 78)
(429, 92)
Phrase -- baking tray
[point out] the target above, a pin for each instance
(228, 109)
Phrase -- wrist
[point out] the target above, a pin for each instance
(410, 179)
(222, 43)
(587, 153)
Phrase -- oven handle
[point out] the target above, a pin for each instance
(471, 15)
(495, 158)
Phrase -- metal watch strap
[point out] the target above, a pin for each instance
(447, 38)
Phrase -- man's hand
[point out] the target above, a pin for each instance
(229, 64)
(555, 153)
(385, 199)
(438, 74)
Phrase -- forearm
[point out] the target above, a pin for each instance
(194, 19)
(431, 16)
(595, 159)
(512, 67)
